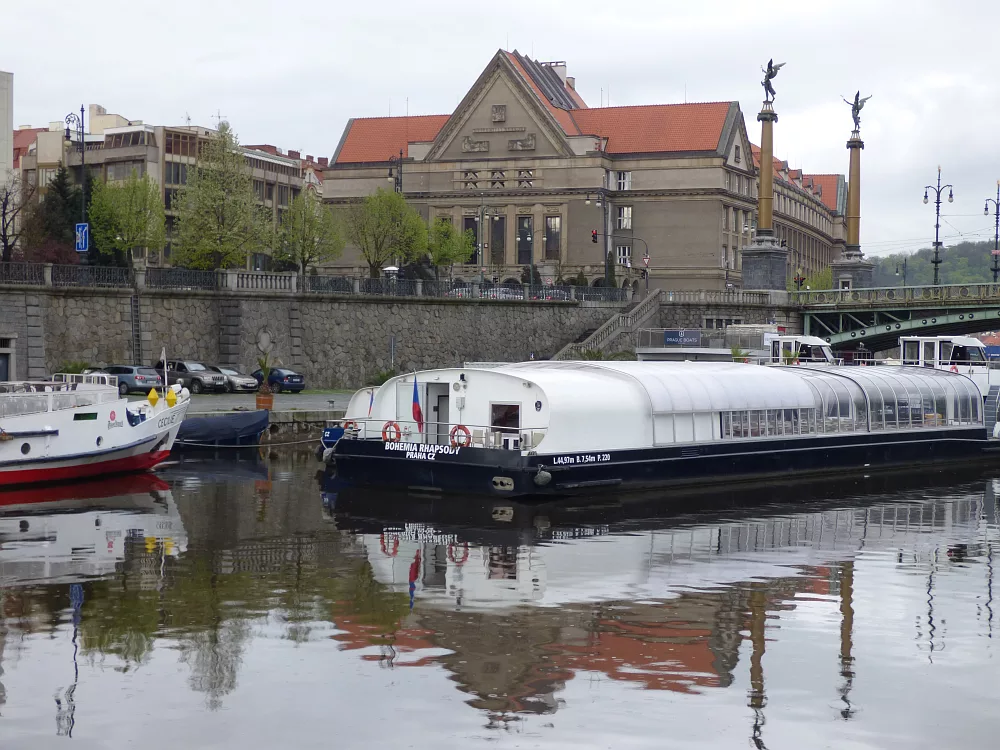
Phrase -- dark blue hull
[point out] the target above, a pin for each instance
(509, 474)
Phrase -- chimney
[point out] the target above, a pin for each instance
(324, 161)
(294, 155)
(560, 69)
(309, 157)
(571, 82)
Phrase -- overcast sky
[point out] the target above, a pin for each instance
(292, 73)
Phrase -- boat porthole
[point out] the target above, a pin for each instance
(99, 441)
(25, 448)
(971, 316)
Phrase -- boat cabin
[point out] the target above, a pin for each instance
(961, 354)
(800, 349)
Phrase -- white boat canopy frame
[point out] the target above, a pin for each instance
(705, 401)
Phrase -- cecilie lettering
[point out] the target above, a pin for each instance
(422, 451)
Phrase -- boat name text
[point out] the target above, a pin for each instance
(167, 420)
(422, 451)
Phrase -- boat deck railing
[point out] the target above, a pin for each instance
(444, 434)
(19, 398)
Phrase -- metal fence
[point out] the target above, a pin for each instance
(91, 276)
(329, 284)
(22, 273)
(180, 278)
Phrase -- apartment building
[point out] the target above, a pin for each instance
(525, 154)
(116, 146)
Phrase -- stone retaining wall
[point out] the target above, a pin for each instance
(335, 341)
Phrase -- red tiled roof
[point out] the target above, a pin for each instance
(375, 139)
(23, 139)
(656, 128)
(827, 183)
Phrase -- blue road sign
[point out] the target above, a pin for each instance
(82, 237)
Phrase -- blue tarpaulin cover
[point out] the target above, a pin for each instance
(236, 428)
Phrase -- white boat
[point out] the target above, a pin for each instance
(562, 427)
(78, 426)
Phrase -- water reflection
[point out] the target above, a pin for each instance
(704, 600)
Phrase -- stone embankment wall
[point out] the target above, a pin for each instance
(334, 341)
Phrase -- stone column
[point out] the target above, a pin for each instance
(852, 270)
(765, 261)
(47, 274)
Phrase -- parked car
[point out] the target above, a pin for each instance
(194, 376)
(134, 378)
(236, 381)
(282, 379)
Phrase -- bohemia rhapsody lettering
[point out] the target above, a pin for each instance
(422, 451)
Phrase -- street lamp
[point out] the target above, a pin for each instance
(904, 271)
(937, 220)
(395, 175)
(77, 124)
(996, 235)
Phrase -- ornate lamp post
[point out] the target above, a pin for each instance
(904, 270)
(395, 175)
(937, 221)
(996, 235)
(77, 124)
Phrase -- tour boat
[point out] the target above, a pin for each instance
(77, 426)
(539, 428)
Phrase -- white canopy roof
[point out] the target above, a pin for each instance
(685, 386)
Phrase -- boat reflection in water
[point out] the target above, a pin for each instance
(62, 533)
(528, 596)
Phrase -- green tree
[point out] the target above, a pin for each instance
(447, 246)
(127, 216)
(219, 222)
(383, 227)
(530, 275)
(310, 233)
(820, 280)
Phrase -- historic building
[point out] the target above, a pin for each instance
(523, 156)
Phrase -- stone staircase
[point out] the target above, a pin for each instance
(608, 337)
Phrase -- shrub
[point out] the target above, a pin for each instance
(381, 376)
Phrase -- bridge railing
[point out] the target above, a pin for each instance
(908, 295)
(730, 297)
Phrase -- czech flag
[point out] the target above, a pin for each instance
(418, 415)
(371, 401)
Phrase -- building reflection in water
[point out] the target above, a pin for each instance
(662, 608)
(513, 601)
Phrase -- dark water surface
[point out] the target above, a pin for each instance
(224, 604)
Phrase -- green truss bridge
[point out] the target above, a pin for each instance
(878, 317)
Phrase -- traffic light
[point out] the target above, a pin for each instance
(593, 236)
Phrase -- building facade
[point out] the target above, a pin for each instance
(532, 171)
(116, 146)
(6, 125)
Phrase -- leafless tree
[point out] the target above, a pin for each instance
(16, 195)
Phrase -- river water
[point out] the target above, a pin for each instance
(227, 603)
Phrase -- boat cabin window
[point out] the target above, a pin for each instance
(929, 354)
(966, 355)
(911, 352)
(505, 425)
